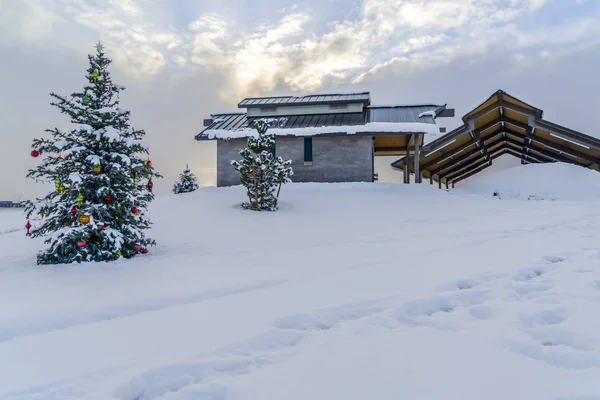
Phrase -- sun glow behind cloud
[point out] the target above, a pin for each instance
(282, 50)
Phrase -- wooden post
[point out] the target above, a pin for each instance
(439, 182)
(430, 179)
(406, 169)
(452, 184)
(446, 184)
(418, 178)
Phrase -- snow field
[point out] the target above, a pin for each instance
(350, 291)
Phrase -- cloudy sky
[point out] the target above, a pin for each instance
(184, 59)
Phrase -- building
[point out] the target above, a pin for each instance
(329, 137)
(502, 124)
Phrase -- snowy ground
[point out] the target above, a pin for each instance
(354, 291)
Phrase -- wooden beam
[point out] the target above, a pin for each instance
(516, 107)
(484, 111)
(457, 169)
(484, 162)
(516, 146)
(455, 161)
(468, 155)
(406, 170)
(417, 160)
(470, 174)
(450, 153)
(556, 146)
(586, 140)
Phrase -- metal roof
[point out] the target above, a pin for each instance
(236, 121)
(503, 124)
(310, 99)
(404, 113)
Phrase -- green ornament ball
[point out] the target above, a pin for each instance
(85, 100)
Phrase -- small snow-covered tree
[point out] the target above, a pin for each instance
(186, 183)
(96, 212)
(261, 172)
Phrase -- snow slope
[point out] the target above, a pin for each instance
(350, 291)
(537, 182)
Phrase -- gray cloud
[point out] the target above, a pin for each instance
(179, 70)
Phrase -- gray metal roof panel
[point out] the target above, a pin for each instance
(401, 113)
(310, 99)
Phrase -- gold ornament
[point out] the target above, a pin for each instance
(97, 169)
(61, 188)
(84, 219)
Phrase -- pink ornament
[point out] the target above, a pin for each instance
(35, 153)
(81, 243)
(137, 246)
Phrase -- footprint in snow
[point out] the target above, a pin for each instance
(441, 304)
(559, 356)
(330, 317)
(530, 273)
(470, 283)
(553, 335)
(543, 318)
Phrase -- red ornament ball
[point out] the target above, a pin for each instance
(134, 210)
(107, 199)
(73, 210)
(148, 163)
(60, 158)
(35, 153)
(81, 243)
(144, 251)
(137, 247)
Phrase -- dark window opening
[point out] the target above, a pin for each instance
(308, 157)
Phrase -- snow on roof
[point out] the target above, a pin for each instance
(369, 128)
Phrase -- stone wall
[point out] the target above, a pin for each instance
(335, 159)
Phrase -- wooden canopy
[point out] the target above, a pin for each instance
(502, 124)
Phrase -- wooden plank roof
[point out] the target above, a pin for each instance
(503, 124)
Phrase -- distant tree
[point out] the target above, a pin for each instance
(96, 210)
(186, 183)
(261, 172)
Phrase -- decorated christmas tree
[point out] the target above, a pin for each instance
(186, 183)
(102, 177)
(261, 172)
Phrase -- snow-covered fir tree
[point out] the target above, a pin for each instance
(186, 183)
(102, 177)
(261, 172)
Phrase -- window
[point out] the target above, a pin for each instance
(268, 109)
(308, 157)
(338, 106)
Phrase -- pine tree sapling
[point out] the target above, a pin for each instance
(260, 172)
(96, 212)
(186, 183)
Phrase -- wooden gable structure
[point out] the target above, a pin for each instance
(501, 125)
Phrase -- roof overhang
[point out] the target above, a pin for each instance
(501, 125)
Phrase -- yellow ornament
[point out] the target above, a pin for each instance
(97, 169)
(119, 253)
(84, 219)
(61, 188)
(79, 199)
(95, 75)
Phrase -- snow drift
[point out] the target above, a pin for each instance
(349, 291)
(555, 181)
